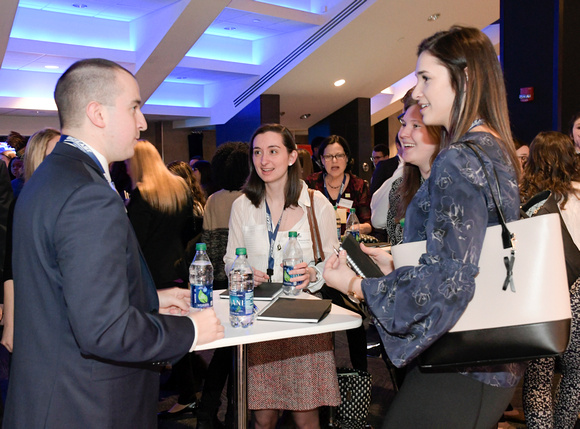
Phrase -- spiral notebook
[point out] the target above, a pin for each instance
(359, 261)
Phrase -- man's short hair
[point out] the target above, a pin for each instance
(87, 80)
(383, 148)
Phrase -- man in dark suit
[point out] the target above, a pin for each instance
(91, 331)
(384, 167)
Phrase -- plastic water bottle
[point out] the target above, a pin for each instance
(353, 225)
(292, 256)
(241, 286)
(201, 279)
(338, 223)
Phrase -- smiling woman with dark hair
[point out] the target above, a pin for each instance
(460, 88)
(297, 374)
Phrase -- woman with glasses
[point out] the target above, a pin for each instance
(342, 188)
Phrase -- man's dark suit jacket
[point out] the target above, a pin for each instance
(384, 170)
(88, 338)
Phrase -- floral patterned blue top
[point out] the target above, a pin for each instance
(451, 210)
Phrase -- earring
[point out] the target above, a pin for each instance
(290, 165)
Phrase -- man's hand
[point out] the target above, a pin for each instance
(174, 300)
(208, 326)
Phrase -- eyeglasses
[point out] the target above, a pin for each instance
(377, 158)
(338, 157)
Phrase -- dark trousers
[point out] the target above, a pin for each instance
(357, 337)
(218, 372)
(446, 400)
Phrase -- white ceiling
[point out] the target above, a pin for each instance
(199, 62)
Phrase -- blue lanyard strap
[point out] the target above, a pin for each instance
(272, 233)
(339, 192)
(83, 147)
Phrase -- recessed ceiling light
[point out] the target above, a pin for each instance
(339, 82)
(80, 5)
(434, 17)
(229, 28)
(51, 67)
(305, 116)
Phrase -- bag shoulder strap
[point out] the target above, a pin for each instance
(507, 237)
(314, 232)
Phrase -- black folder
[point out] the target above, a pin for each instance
(296, 310)
(264, 292)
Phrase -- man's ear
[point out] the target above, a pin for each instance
(96, 113)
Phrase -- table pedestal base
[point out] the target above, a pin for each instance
(241, 392)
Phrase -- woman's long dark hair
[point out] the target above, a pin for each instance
(552, 165)
(255, 188)
(477, 79)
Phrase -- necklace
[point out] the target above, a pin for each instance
(335, 187)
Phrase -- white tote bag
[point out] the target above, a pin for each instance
(526, 317)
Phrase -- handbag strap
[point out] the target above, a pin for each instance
(314, 232)
(508, 238)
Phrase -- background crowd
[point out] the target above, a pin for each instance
(233, 199)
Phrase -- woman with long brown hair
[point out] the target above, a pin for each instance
(297, 374)
(460, 88)
(554, 166)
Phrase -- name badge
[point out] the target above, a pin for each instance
(345, 203)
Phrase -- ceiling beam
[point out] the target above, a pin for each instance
(6, 19)
(277, 11)
(187, 28)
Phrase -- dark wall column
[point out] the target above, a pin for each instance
(540, 48)
(263, 110)
(353, 122)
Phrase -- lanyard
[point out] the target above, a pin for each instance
(272, 233)
(85, 148)
(339, 192)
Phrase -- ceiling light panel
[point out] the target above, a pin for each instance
(39, 25)
(126, 10)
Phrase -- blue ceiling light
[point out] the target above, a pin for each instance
(43, 26)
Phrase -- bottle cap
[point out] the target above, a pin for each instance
(352, 210)
(292, 234)
(200, 246)
(241, 251)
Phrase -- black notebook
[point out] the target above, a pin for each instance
(296, 310)
(265, 292)
(359, 261)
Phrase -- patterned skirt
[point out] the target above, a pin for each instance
(292, 374)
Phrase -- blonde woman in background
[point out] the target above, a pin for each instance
(161, 211)
(183, 170)
(38, 147)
